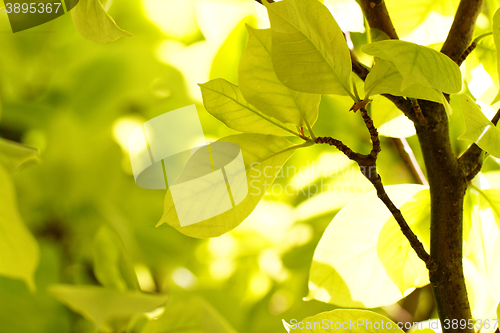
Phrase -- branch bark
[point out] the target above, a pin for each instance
(368, 166)
(462, 29)
(447, 190)
(378, 17)
(446, 178)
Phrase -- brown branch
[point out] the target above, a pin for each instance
(409, 234)
(357, 67)
(462, 29)
(378, 17)
(373, 133)
(466, 53)
(418, 113)
(470, 160)
(342, 147)
(368, 167)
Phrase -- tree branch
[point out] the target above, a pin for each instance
(467, 51)
(368, 166)
(462, 29)
(357, 67)
(378, 17)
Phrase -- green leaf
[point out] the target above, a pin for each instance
(309, 51)
(108, 309)
(479, 129)
(263, 161)
(401, 262)
(228, 57)
(224, 101)
(482, 302)
(342, 320)
(19, 252)
(407, 16)
(260, 85)
(389, 120)
(93, 23)
(419, 65)
(483, 244)
(346, 269)
(14, 155)
(112, 267)
(496, 38)
(189, 315)
(384, 78)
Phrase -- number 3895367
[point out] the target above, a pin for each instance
(32, 7)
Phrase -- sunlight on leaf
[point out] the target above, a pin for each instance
(224, 101)
(407, 16)
(433, 30)
(482, 302)
(479, 129)
(384, 78)
(260, 175)
(19, 252)
(93, 23)
(359, 321)
(261, 88)
(483, 244)
(309, 51)
(419, 65)
(402, 264)
(346, 269)
(228, 58)
(389, 120)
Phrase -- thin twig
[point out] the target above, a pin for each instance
(462, 29)
(368, 167)
(406, 153)
(378, 17)
(373, 133)
(467, 51)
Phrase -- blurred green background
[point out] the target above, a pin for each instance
(76, 101)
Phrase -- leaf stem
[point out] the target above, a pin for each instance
(309, 128)
(355, 91)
